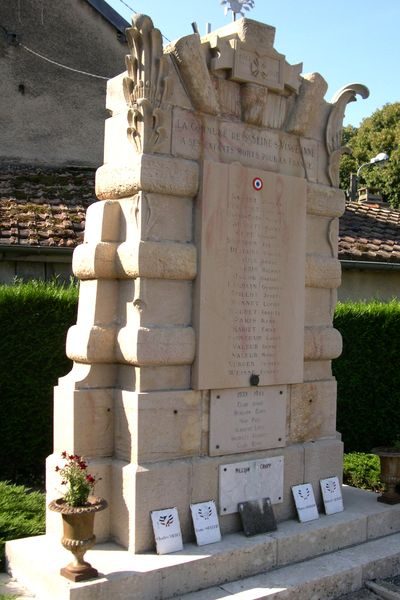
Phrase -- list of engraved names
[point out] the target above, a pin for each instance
(255, 281)
(251, 289)
(247, 419)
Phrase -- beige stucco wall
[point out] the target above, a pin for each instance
(48, 114)
(368, 284)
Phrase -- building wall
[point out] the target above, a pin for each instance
(27, 266)
(360, 284)
(49, 115)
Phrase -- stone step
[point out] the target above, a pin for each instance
(322, 578)
(35, 562)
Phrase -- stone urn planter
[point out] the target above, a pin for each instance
(390, 473)
(78, 535)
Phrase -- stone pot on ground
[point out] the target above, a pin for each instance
(78, 534)
(390, 473)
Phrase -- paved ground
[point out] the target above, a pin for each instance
(9, 587)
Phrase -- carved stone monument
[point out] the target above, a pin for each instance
(208, 278)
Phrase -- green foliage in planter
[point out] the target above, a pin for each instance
(22, 514)
(368, 374)
(362, 471)
(34, 319)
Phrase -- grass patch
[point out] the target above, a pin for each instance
(22, 514)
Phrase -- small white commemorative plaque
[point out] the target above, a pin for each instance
(205, 522)
(167, 530)
(305, 502)
(332, 495)
(250, 480)
(246, 419)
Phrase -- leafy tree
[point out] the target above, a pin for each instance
(378, 133)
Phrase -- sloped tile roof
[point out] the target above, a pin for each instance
(369, 232)
(41, 207)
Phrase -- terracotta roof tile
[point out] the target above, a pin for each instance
(43, 206)
(369, 232)
(47, 207)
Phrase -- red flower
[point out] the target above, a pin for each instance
(63, 454)
(90, 478)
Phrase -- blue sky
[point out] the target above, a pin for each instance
(346, 41)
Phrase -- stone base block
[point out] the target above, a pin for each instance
(139, 489)
(312, 411)
(36, 562)
(152, 425)
(83, 421)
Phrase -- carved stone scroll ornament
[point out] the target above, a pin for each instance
(146, 85)
(334, 129)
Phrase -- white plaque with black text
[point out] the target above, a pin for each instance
(305, 502)
(332, 495)
(205, 522)
(246, 419)
(250, 480)
(167, 530)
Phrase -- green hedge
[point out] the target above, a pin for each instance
(362, 471)
(34, 321)
(368, 374)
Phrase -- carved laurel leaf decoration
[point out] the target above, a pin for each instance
(334, 129)
(146, 85)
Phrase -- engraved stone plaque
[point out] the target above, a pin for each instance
(251, 283)
(223, 141)
(247, 419)
(250, 480)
